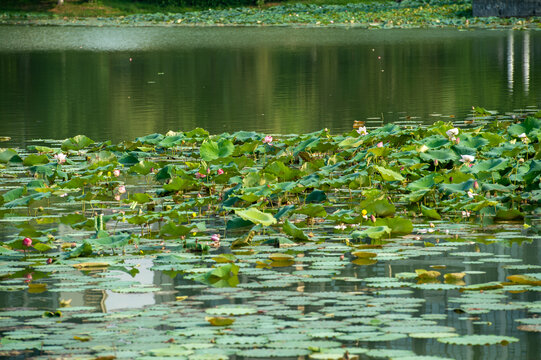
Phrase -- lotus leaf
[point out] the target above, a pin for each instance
(478, 340)
(256, 216)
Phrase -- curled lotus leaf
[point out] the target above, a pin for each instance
(256, 216)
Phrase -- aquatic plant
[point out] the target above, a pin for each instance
(279, 218)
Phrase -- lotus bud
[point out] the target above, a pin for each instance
(27, 242)
(436, 162)
(450, 179)
(373, 218)
(49, 261)
(475, 185)
(457, 141)
(342, 257)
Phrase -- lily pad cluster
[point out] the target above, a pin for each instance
(274, 245)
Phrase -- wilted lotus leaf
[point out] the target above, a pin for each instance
(423, 274)
(364, 261)
(453, 277)
(220, 320)
(524, 280)
(281, 257)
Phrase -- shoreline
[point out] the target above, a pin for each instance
(365, 16)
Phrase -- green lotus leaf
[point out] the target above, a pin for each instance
(211, 150)
(380, 207)
(293, 231)
(143, 167)
(430, 213)
(223, 276)
(316, 196)
(172, 229)
(26, 200)
(34, 159)
(511, 214)
(442, 156)
(140, 198)
(281, 171)
(76, 143)
(398, 225)
(479, 340)
(490, 165)
(388, 174)
(170, 141)
(372, 232)
(256, 216)
(7, 155)
(312, 210)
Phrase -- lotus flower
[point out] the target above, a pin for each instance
(116, 173)
(199, 175)
(380, 144)
(524, 138)
(27, 242)
(451, 133)
(362, 130)
(220, 171)
(267, 140)
(467, 158)
(340, 227)
(215, 237)
(60, 158)
(121, 189)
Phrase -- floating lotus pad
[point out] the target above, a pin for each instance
(478, 340)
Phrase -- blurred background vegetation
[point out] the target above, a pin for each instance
(125, 7)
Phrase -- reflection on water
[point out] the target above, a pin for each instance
(58, 82)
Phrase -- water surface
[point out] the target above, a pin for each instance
(120, 83)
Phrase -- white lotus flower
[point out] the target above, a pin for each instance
(452, 133)
(467, 158)
(60, 158)
(362, 130)
(340, 227)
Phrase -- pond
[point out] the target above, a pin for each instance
(397, 241)
(58, 82)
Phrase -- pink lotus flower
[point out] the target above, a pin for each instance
(267, 140)
(28, 278)
(121, 189)
(380, 144)
(27, 242)
(220, 171)
(215, 237)
(199, 175)
(116, 173)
